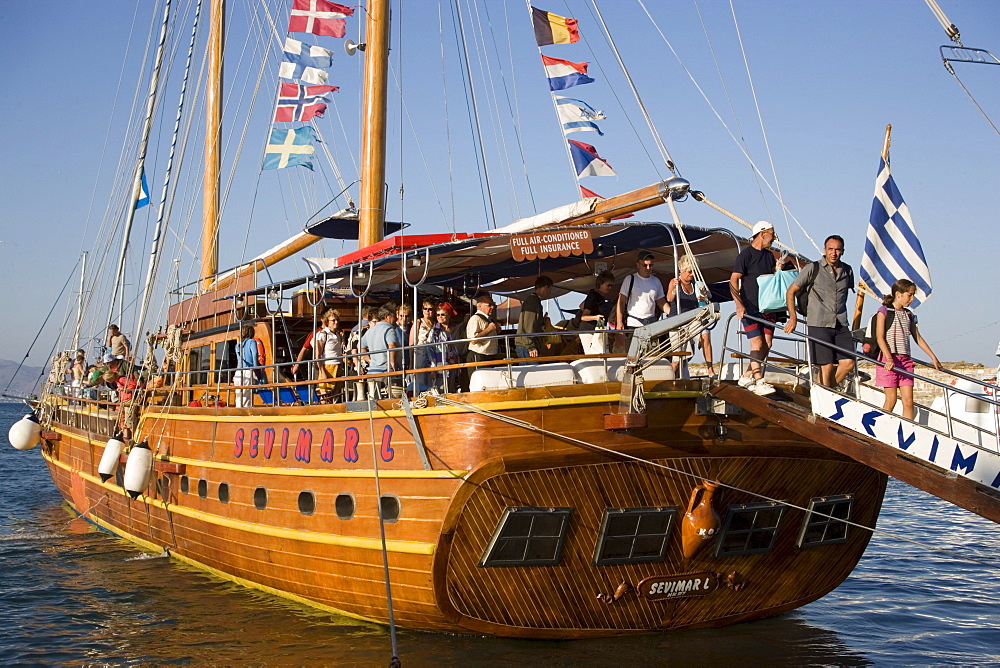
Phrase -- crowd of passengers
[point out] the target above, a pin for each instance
(435, 343)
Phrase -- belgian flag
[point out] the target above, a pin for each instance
(553, 29)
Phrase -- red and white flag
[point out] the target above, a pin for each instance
(301, 103)
(586, 192)
(319, 17)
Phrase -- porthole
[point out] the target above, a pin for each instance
(224, 492)
(185, 484)
(260, 498)
(203, 488)
(307, 502)
(345, 506)
(390, 508)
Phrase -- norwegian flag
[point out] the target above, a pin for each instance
(301, 103)
(319, 17)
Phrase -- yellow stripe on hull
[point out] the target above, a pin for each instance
(401, 546)
(437, 410)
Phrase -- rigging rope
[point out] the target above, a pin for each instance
(724, 125)
(478, 134)
(664, 154)
(760, 119)
(447, 121)
(385, 552)
(981, 110)
(732, 107)
(640, 460)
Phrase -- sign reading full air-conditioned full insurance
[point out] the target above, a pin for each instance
(542, 245)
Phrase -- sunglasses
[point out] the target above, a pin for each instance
(441, 314)
(428, 308)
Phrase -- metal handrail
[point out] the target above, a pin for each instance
(945, 387)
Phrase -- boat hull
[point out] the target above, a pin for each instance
(205, 506)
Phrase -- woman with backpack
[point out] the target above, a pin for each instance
(894, 325)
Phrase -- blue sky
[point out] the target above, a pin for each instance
(828, 77)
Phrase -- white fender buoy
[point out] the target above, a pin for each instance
(137, 469)
(25, 433)
(111, 457)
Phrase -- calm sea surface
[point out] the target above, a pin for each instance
(72, 594)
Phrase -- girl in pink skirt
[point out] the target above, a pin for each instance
(894, 346)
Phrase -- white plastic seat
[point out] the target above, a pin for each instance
(522, 375)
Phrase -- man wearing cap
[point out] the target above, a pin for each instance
(641, 298)
(753, 261)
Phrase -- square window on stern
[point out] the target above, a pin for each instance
(634, 535)
(528, 537)
(749, 528)
(826, 520)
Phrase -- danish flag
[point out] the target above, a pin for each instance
(319, 17)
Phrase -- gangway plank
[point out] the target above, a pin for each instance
(792, 412)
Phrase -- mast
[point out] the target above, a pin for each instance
(147, 126)
(372, 211)
(79, 302)
(213, 125)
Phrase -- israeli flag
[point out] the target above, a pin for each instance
(892, 250)
(304, 62)
(143, 199)
(577, 115)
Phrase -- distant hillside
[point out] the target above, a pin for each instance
(26, 382)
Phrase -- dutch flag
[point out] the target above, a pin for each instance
(563, 74)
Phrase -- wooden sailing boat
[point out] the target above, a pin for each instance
(572, 498)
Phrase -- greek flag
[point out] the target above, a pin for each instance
(892, 250)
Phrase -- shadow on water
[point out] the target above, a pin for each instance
(70, 593)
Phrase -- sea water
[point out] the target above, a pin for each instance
(72, 594)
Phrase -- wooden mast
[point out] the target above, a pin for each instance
(213, 125)
(859, 303)
(372, 212)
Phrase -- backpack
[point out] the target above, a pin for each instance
(869, 342)
(802, 296)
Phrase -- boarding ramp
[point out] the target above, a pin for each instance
(951, 448)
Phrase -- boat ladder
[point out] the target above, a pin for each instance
(949, 450)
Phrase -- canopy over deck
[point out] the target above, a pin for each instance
(487, 262)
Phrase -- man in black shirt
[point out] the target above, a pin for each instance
(755, 260)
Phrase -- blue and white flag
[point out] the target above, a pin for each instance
(577, 115)
(586, 160)
(305, 62)
(563, 74)
(892, 250)
(288, 148)
(143, 198)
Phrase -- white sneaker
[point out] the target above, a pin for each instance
(762, 388)
(746, 381)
